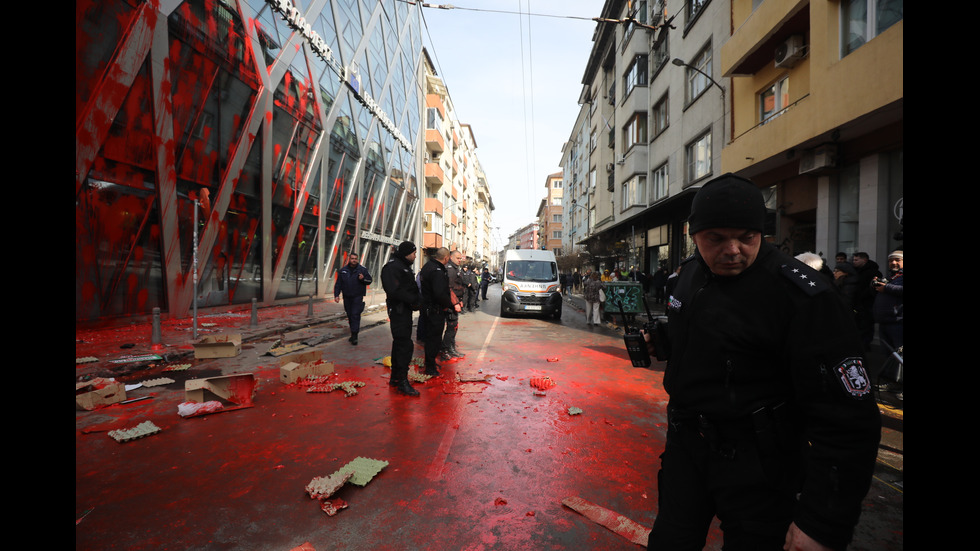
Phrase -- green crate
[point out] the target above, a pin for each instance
(627, 293)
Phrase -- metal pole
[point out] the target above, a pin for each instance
(156, 338)
(194, 267)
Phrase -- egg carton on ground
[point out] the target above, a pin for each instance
(146, 428)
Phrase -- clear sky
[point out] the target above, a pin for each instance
(515, 79)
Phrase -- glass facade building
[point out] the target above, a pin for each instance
(281, 135)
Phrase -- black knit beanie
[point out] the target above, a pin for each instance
(406, 248)
(728, 201)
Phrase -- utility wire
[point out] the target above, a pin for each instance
(452, 7)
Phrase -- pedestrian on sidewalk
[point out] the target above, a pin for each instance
(592, 294)
(352, 282)
(889, 304)
(771, 422)
(398, 280)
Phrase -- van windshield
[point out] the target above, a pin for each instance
(531, 270)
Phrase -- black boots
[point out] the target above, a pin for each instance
(404, 387)
(353, 338)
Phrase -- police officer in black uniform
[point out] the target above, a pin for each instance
(438, 305)
(398, 281)
(772, 426)
(449, 351)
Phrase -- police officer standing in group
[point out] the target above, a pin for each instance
(449, 350)
(352, 282)
(438, 305)
(771, 423)
(398, 280)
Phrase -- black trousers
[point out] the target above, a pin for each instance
(452, 326)
(353, 306)
(435, 325)
(701, 478)
(401, 343)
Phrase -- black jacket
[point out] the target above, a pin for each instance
(398, 281)
(777, 333)
(348, 284)
(455, 282)
(435, 286)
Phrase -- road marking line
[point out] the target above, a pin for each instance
(439, 461)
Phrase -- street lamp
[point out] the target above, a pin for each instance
(681, 63)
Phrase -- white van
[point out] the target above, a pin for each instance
(530, 284)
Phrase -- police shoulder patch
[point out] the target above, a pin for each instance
(804, 277)
(853, 377)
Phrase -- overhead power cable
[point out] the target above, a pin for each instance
(629, 20)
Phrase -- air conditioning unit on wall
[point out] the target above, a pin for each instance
(791, 51)
(818, 158)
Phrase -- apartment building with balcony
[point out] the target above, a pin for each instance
(576, 170)
(650, 130)
(818, 117)
(551, 214)
(457, 207)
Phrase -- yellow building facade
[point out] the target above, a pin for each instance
(816, 119)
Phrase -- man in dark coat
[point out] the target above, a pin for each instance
(438, 303)
(470, 288)
(484, 282)
(398, 280)
(771, 423)
(449, 350)
(352, 282)
(864, 298)
(889, 308)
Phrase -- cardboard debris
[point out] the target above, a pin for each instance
(227, 345)
(139, 358)
(323, 487)
(473, 377)
(145, 428)
(313, 341)
(349, 387)
(159, 381)
(233, 391)
(415, 376)
(364, 469)
(98, 392)
(574, 411)
(612, 520)
(287, 349)
(85, 360)
(331, 508)
(291, 372)
(177, 367)
(301, 357)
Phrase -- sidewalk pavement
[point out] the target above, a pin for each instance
(123, 347)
